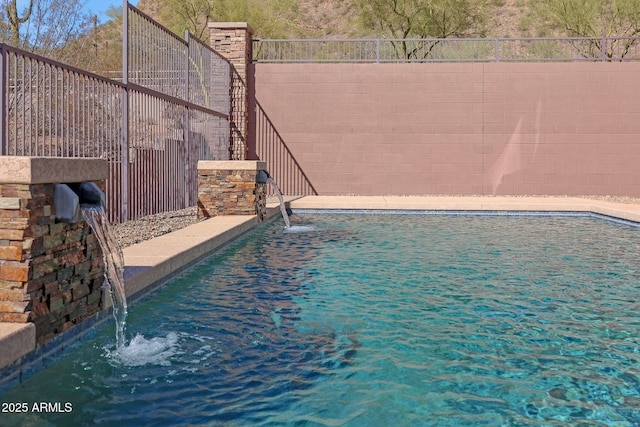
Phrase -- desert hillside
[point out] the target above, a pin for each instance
(338, 19)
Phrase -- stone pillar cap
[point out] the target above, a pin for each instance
(235, 165)
(231, 26)
(51, 170)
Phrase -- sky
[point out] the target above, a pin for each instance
(93, 7)
(99, 7)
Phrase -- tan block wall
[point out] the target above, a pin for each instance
(473, 128)
(50, 274)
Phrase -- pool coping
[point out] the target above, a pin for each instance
(625, 211)
(151, 263)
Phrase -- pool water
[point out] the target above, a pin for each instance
(374, 320)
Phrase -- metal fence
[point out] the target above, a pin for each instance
(239, 118)
(449, 50)
(170, 110)
(281, 164)
(179, 103)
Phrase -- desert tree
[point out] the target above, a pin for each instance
(611, 25)
(13, 20)
(47, 111)
(48, 27)
(190, 15)
(422, 19)
(268, 18)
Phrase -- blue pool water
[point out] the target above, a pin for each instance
(374, 320)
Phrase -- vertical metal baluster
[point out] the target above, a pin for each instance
(75, 107)
(185, 125)
(53, 115)
(65, 120)
(27, 106)
(68, 88)
(95, 127)
(124, 173)
(144, 193)
(12, 89)
(23, 112)
(47, 108)
(155, 155)
(132, 154)
(82, 93)
(35, 108)
(4, 82)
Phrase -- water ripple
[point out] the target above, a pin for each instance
(482, 321)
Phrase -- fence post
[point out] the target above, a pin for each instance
(4, 142)
(124, 169)
(186, 127)
(232, 40)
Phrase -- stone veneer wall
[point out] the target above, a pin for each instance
(50, 273)
(230, 188)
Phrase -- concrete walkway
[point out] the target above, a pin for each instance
(158, 260)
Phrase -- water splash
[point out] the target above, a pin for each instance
(300, 229)
(96, 217)
(283, 208)
(141, 351)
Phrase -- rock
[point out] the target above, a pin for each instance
(145, 228)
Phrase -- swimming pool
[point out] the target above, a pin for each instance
(374, 320)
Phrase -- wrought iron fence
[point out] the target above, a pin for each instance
(448, 50)
(178, 114)
(170, 110)
(239, 118)
(281, 163)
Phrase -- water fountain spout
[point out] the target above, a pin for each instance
(90, 194)
(264, 177)
(92, 205)
(68, 199)
(66, 203)
(86, 200)
(96, 217)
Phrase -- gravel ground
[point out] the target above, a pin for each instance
(148, 227)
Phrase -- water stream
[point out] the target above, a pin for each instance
(283, 208)
(96, 217)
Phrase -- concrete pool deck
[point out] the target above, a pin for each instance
(625, 211)
(155, 261)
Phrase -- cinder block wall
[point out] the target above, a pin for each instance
(472, 128)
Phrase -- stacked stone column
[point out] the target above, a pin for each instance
(50, 273)
(231, 188)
